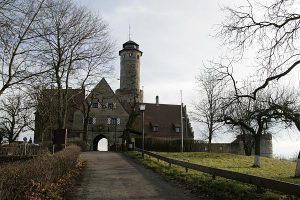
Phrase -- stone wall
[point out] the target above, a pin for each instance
(173, 145)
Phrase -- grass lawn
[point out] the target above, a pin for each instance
(270, 168)
(221, 188)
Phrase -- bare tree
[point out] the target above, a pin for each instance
(17, 46)
(15, 117)
(45, 102)
(272, 29)
(72, 40)
(286, 106)
(208, 109)
(251, 115)
(257, 116)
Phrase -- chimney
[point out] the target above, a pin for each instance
(157, 101)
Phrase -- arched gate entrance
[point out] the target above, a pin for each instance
(96, 141)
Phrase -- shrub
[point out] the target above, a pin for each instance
(35, 178)
(82, 144)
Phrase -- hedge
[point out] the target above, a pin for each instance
(39, 177)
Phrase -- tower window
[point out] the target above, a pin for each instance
(130, 54)
(137, 56)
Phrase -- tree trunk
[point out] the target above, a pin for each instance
(257, 137)
(60, 106)
(297, 172)
(210, 132)
(248, 150)
(85, 129)
(247, 140)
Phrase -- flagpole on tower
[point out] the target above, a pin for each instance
(129, 34)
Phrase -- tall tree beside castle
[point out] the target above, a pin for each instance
(76, 46)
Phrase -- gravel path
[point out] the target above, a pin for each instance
(110, 175)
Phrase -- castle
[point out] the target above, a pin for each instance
(115, 115)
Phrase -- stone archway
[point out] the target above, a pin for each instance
(96, 141)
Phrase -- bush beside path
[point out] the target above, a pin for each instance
(44, 177)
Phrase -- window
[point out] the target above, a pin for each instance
(177, 129)
(114, 121)
(155, 128)
(130, 54)
(92, 120)
(137, 56)
(95, 105)
(110, 106)
(109, 120)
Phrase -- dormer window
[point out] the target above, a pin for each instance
(155, 128)
(177, 128)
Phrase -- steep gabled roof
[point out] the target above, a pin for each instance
(103, 85)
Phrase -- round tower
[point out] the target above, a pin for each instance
(266, 147)
(130, 73)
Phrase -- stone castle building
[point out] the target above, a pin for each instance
(116, 116)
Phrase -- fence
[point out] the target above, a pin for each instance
(284, 187)
(19, 150)
(174, 145)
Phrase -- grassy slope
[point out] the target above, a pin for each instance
(220, 188)
(270, 168)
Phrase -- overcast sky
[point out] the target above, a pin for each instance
(176, 37)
